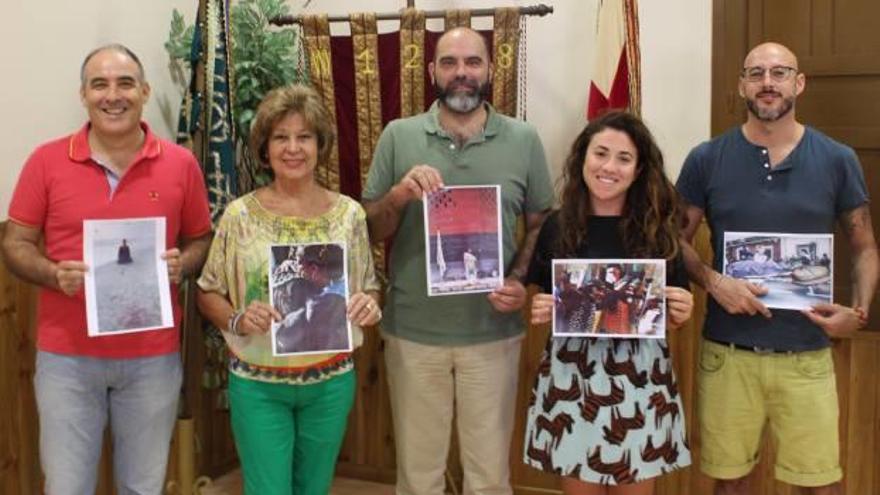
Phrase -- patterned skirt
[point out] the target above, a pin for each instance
(606, 411)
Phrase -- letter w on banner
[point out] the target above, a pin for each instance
(616, 72)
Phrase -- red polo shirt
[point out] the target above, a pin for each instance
(60, 186)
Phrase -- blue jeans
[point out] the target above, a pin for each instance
(75, 395)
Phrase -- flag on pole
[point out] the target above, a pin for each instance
(616, 73)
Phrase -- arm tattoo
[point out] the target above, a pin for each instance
(856, 219)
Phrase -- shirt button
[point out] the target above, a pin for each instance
(766, 165)
(452, 146)
(764, 151)
(769, 177)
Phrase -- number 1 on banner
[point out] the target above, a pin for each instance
(366, 58)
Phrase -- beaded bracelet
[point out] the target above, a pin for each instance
(232, 323)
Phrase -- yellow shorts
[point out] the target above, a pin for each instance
(740, 391)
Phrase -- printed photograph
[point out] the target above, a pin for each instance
(463, 240)
(308, 285)
(796, 269)
(126, 286)
(609, 298)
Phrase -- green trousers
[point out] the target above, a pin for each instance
(288, 436)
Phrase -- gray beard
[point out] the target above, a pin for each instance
(462, 103)
(770, 115)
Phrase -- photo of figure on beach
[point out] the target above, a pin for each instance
(126, 286)
(308, 285)
(609, 298)
(796, 269)
(463, 240)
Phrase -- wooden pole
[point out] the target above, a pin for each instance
(535, 10)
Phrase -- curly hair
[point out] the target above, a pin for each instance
(284, 101)
(651, 213)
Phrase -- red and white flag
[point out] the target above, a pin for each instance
(615, 81)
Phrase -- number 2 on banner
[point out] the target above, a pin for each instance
(411, 55)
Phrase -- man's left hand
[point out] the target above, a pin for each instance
(836, 320)
(175, 265)
(508, 297)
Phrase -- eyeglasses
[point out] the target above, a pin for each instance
(779, 73)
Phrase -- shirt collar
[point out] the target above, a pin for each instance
(432, 123)
(79, 150)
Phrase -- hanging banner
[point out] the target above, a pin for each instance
(412, 62)
(457, 18)
(505, 47)
(316, 32)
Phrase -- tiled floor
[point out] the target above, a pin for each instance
(230, 484)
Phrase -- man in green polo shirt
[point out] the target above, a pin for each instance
(459, 351)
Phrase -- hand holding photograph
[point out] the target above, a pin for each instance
(463, 240)
(308, 285)
(621, 298)
(796, 269)
(127, 288)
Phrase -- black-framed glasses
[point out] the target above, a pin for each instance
(778, 73)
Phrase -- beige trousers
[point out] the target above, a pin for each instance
(426, 382)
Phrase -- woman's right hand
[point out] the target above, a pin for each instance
(542, 308)
(257, 318)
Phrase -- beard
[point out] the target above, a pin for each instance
(770, 114)
(466, 98)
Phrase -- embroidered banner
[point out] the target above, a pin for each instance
(412, 62)
(316, 33)
(211, 129)
(505, 43)
(367, 90)
(457, 18)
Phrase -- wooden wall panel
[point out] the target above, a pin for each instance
(19, 458)
(19, 448)
(855, 26)
(368, 453)
(794, 30)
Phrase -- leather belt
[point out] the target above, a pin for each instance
(752, 348)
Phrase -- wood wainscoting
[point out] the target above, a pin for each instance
(368, 451)
(19, 429)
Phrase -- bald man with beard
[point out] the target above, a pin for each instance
(773, 174)
(454, 355)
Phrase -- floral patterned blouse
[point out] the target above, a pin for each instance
(237, 268)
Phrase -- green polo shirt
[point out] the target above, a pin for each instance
(508, 153)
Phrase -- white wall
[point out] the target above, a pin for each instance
(41, 49)
(676, 74)
(42, 45)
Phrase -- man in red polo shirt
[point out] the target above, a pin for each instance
(114, 167)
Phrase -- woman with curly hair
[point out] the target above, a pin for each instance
(619, 423)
